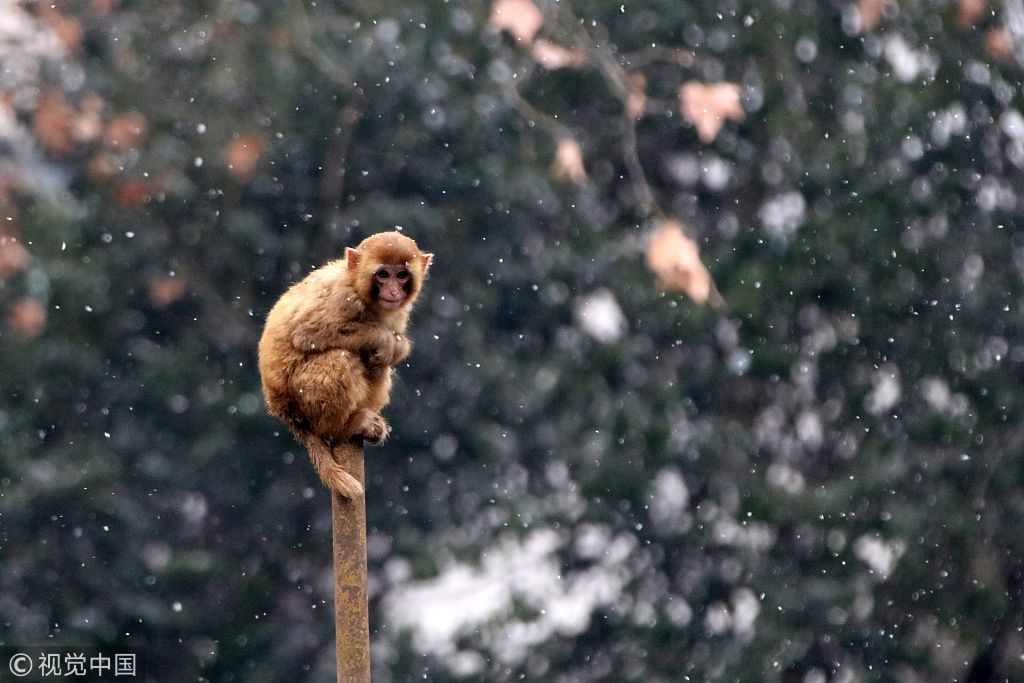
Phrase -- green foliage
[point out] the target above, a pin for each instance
(816, 482)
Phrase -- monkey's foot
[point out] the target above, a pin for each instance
(371, 426)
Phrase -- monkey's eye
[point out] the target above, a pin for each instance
(403, 275)
(382, 274)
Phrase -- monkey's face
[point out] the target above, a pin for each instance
(392, 286)
(387, 270)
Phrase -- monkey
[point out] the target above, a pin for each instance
(329, 345)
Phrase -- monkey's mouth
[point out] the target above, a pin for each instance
(389, 303)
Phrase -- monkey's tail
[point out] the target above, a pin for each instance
(331, 473)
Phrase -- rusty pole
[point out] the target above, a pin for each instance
(351, 612)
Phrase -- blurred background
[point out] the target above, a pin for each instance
(717, 372)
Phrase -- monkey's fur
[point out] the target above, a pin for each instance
(330, 342)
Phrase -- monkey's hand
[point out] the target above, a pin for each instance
(393, 349)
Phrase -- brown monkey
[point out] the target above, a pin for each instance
(329, 345)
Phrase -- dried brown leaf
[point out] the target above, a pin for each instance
(969, 11)
(553, 56)
(133, 193)
(13, 256)
(165, 290)
(102, 7)
(88, 123)
(27, 317)
(53, 123)
(104, 165)
(242, 154)
(568, 162)
(871, 12)
(636, 100)
(708, 106)
(675, 259)
(67, 29)
(521, 18)
(125, 130)
(998, 44)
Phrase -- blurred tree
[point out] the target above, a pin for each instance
(590, 479)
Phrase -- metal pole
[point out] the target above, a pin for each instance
(351, 612)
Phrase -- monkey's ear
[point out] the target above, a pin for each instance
(351, 258)
(427, 260)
